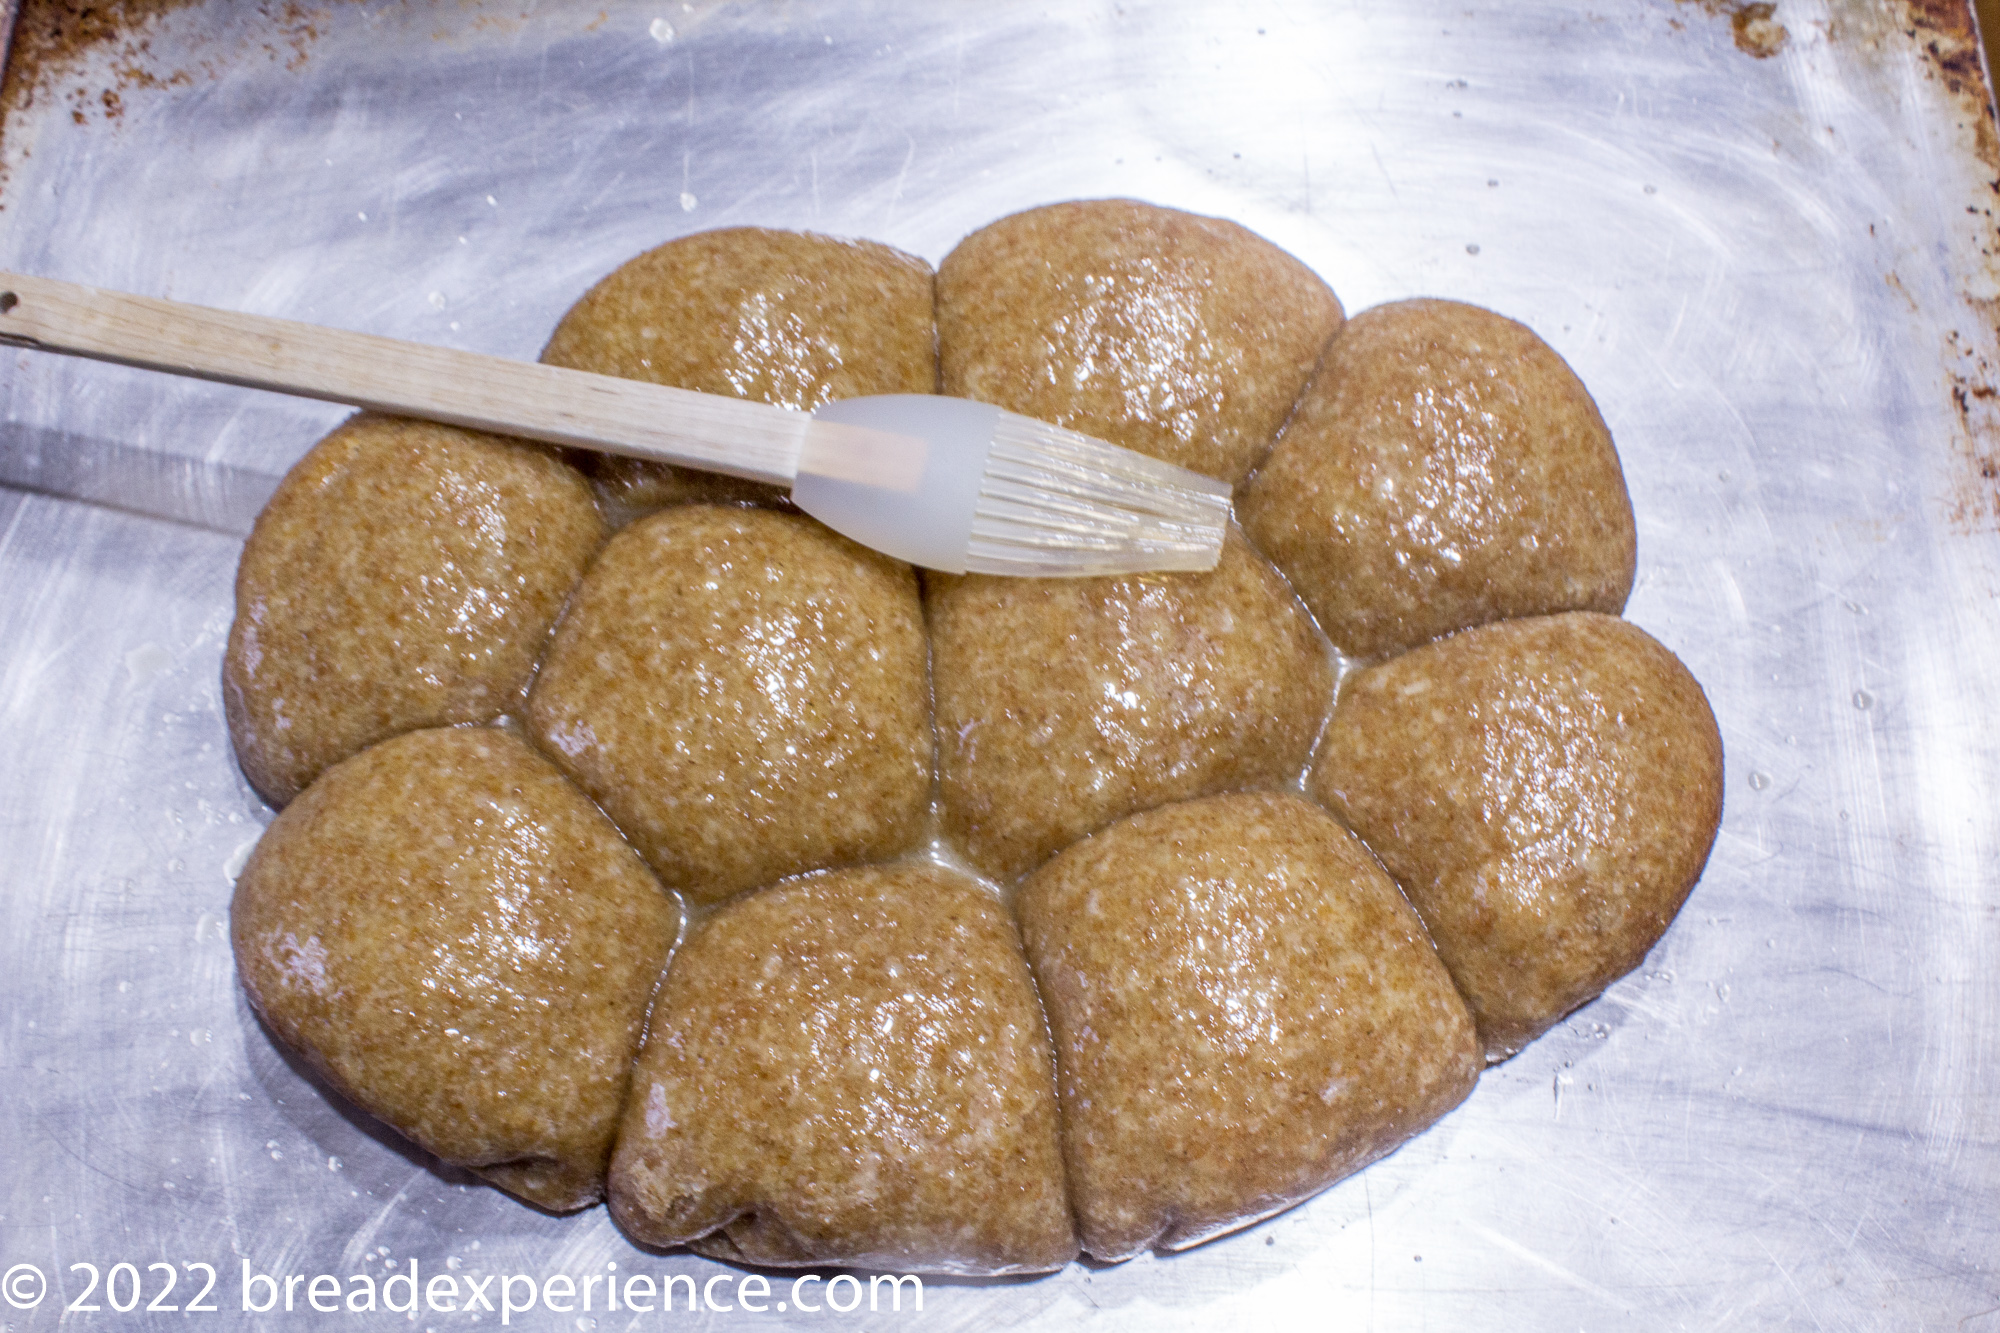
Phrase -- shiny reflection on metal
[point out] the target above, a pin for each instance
(147, 482)
(1771, 272)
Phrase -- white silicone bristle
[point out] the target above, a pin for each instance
(1054, 503)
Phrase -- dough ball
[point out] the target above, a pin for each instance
(461, 943)
(783, 317)
(744, 693)
(404, 575)
(1183, 337)
(1444, 469)
(1064, 704)
(1544, 790)
(1245, 1010)
(851, 1069)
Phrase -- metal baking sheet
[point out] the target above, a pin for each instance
(1763, 238)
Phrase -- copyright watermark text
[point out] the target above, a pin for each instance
(192, 1288)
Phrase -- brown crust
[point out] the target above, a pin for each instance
(1545, 791)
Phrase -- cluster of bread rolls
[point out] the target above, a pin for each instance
(641, 837)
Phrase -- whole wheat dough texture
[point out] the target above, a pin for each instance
(849, 1068)
(449, 932)
(1064, 704)
(1245, 1010)
(1545, 791)
(744, 692)
(1184, 337)
(1444, 469)
(783, 317)
(403, 575)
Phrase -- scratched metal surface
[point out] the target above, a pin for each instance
(1766, 270)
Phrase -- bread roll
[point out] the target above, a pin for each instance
(1064, 704)
(404, 575)
(1444, 469)
(849, 1069)
(1245, 1010)
(1545, 791)
(783, 317)
(744, 693)
(1184, 337)
(455, 938)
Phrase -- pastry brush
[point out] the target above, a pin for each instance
(947, 483)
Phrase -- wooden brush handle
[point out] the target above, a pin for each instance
(730, 435)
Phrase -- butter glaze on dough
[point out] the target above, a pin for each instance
(788, 318)
(744, 692)
(850, 1068)
(1183, 337)
(1245, 1010)
(1545, 791)
(459, 941)
(1065, 704)
(404, 575)
(1444, 469)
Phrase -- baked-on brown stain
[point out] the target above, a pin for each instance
(1544, 790)
(744, 693)
(403, 575)
(1949, 36)
(1757, 31)
(1949, 42)
(849, 1068)
(1752, 25)
(1444, 468)
(1063, 704)
(1245, 1010)
(49, 38)
(1178, 336)
(788, 318)
(89, 56)
(460, 942)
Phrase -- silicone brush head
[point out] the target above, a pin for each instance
(990, 492)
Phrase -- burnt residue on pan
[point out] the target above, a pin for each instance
(89, 55)
(1879, 39)
(51, 44)
(49, 48)
(1757, 31)
(1974, 502)
(1946, 30)
(1948, 40)
(1754, 26)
